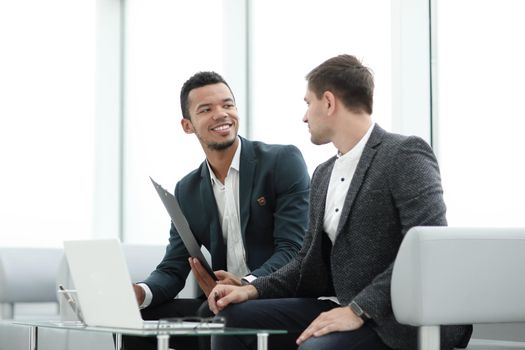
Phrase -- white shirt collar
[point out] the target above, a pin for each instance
(236, 161)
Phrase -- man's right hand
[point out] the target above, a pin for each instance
(223, 295)
(139, 293)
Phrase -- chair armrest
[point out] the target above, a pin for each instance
(447, 275)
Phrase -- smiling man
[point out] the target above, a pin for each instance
(247, 203)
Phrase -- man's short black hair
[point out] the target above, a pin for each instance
(198, 80)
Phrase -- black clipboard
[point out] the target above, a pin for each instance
(183, 228)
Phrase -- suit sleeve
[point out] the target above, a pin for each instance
(291, 184)
(168, 279)
(415, 186)
(283, 282)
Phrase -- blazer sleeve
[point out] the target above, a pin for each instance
(168, 279)
(284, 282)
(291, 185)
(415, 185)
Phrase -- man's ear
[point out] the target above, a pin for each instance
(187, 126)
(329, 101)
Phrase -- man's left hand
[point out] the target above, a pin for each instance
(336, 320)
(206, 282)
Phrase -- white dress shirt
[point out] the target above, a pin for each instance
(342, 174)
(227, 198)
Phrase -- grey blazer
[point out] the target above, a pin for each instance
(396, 186)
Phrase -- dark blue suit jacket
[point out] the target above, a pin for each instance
(273, 194)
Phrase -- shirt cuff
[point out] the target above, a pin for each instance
(148, 295)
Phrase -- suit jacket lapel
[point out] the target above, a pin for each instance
(323, 189)
(217, 249)
(362, 167)
(246, 178)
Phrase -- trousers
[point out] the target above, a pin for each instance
(294, 315)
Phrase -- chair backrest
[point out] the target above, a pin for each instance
(27, 274)
(447, 275)
(31, 274)
(141, 259)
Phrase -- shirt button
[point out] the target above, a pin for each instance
(336, 210)
(342, 179)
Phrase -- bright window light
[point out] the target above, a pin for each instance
(166, 42)
(481, 117)
(47, 70)
(292, 37)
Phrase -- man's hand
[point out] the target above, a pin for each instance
(223, 295)
(335, 320)
(206, 282)
(226, 277)
(139, 293)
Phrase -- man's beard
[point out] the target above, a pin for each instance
(220, 146)
(217, 146)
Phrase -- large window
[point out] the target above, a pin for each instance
(47, 70)
(480, 114)
(68, 174)
(289, 38)
(166, 42)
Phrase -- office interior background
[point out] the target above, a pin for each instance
(89, 99)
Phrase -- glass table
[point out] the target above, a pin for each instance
(162, 334)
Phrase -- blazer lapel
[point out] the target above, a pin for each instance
(323, 189)
(368, 155)
(217, 249)
(246, 179)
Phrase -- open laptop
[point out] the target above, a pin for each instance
(105, 294)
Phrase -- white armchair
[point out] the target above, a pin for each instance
(451, 276)
(27, 275)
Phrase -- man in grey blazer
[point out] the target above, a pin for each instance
(335, 294)
(247, 203)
